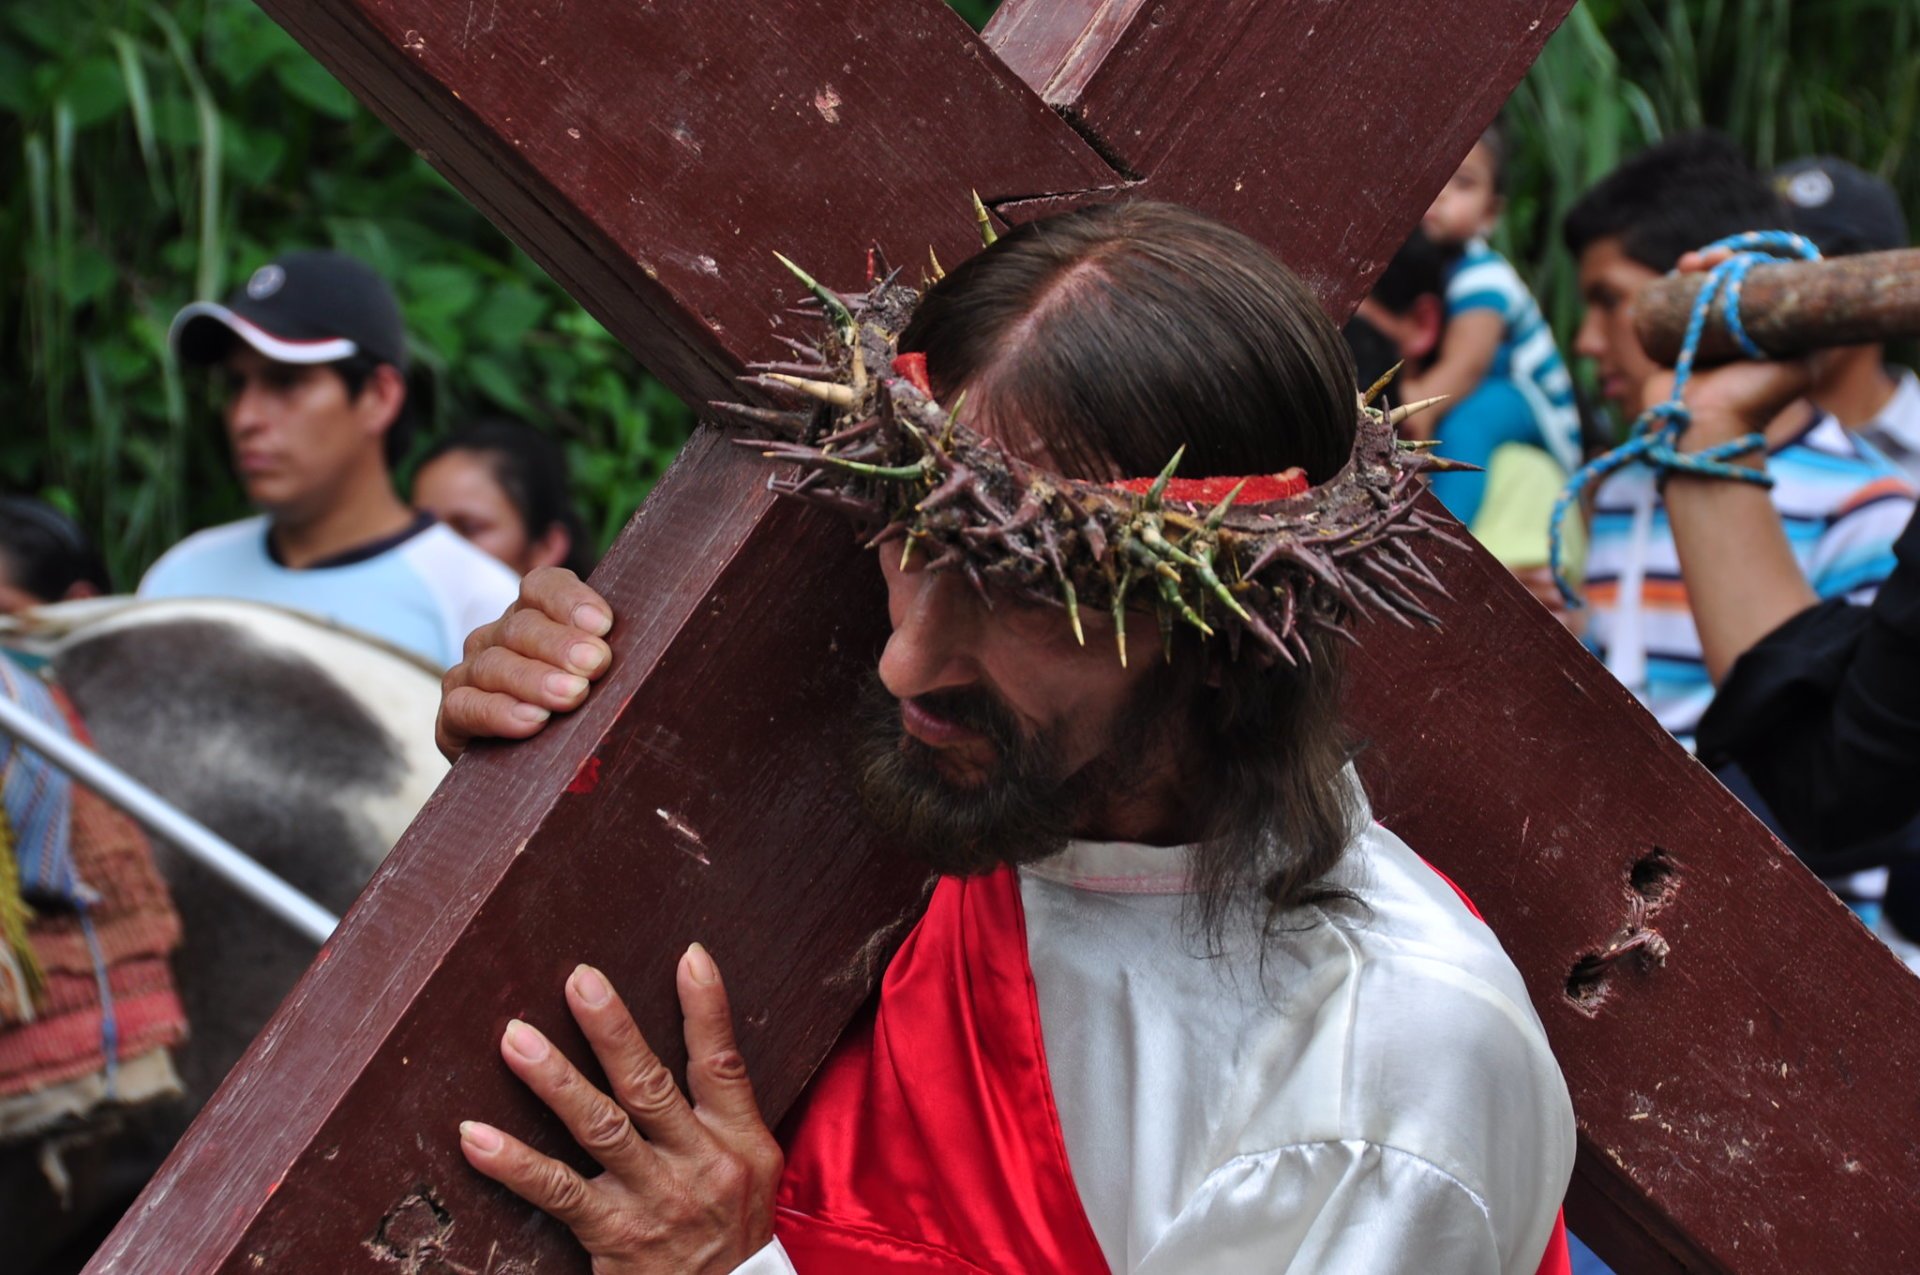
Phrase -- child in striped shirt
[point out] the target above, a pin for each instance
(1498, 365)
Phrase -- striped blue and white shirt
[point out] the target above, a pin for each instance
(1842, 503)
(1482, 279)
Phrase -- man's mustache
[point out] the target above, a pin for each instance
(976, 709)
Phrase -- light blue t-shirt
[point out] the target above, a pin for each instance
(1483, 280)
(424, 593)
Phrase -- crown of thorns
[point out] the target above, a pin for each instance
(1266, 556)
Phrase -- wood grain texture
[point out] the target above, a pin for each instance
(1791, 309)
(1750, 1104)
(1323, 130)
(653, 158)
(709, 799)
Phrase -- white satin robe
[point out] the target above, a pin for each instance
(1380, 1099)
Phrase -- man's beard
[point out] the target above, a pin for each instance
(1025, 809)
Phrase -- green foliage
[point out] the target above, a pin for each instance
(157, 153)
(153, 151)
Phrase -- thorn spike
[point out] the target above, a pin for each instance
(1386, 379)
(825, 391)
(842, 317)
(1159, 488)
(1400, 414)
(988, 235)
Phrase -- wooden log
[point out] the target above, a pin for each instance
(1791, 309)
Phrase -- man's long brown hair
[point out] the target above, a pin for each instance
(1114, 336)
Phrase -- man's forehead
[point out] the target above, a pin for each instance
(1606, 261)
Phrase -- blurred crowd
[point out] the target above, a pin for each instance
(1745, 621)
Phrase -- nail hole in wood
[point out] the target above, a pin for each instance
(1587, 983)
(1654, 876)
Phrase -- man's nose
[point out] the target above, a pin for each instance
(245, 408)
(935, 615)
(1588, 342)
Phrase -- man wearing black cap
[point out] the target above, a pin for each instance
(314, 353)
(1846, 210)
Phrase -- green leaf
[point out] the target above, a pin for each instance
(54, 27)
(16, 82)
(90, 274)
(253, 155)
(93, 90)
(440, 289)
(510, 311)
(242, 42)
(492, 380)
(309, 82)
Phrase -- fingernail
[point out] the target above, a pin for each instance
(590, 987)
(701, 966)
(480, 1137)
(586, 657)
(592, 619)
(565, 685)
(526, 1042)
(531, 714)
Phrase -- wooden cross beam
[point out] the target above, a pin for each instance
(1750, 1105)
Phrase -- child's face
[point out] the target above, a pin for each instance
(1468, 206)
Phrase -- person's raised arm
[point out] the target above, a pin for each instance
(533, 662)
(1743, 580)
(1466, 353)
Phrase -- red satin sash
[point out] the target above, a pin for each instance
(929, 1142)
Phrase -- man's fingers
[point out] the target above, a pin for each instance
(503, 672)
(565, 647)
(596, 1121)
(641, 1082)
(540, 1180)
(467, 714)
(716, 1071)
(559, 595)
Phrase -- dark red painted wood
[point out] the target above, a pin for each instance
(1752, 1104)
(654, 158)
(707, 802)
(1501, 749)
(1324, 130)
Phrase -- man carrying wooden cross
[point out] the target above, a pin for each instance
(1176, 1004)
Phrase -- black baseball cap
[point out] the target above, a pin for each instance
(1842, 208)
(310, 306)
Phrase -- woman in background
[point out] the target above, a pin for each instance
(503, 485)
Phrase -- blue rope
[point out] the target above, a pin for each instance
(1656, 434)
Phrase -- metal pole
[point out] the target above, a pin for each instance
(159, 817)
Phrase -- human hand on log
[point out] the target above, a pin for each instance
(533, 662)
(686, 1188)
(1734, 399)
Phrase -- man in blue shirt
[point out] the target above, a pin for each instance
(313, 351)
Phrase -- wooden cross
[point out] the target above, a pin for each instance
(1749, 1104)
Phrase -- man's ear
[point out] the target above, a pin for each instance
(551, 549)
(381, 398)
(80, 589)
(1425, 322)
